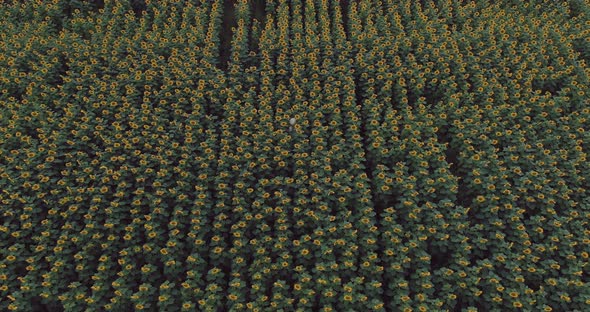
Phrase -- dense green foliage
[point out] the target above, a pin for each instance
(319, 155)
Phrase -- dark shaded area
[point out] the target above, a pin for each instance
(382, 202)
(369, 160)
(138, 7)
(259, 10)
(479, 254)
(84, 6)
(533, 283)
(61, 71)
(433, 95)
(553, 86)
(464, 195)
(465, 198)
(460, 304)
(451, 154)
(582, 46)
(344, 4)
(225, 35)
(464, 303)
(577, 7)
(75, 7)
(440, 255)
(452, 159)
(344, 8)
(39, 304)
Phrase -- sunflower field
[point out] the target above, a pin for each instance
(294, 155)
